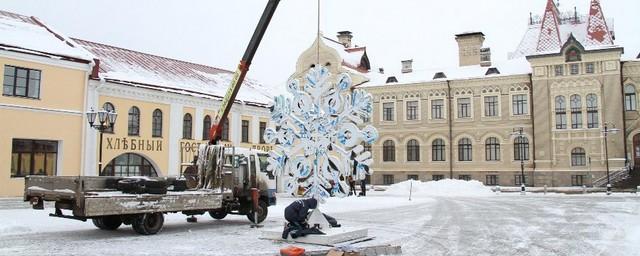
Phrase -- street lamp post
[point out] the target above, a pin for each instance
(517, 132)
(606, 132)
(105, 121)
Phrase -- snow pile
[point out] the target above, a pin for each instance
(446, 187)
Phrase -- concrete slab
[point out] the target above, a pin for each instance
(331, 237)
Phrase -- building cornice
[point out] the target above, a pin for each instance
(42, 59)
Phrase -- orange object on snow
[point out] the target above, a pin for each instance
(292, 251)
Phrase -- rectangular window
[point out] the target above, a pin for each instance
(520, 105)
(491, 106)
(387, 179)
(559, 70)
(263, 127)
(21, 82)
(464, 177)
(412, 110)
(225, 130)
(519, 180)
(577, 180)
(33, 157)
(464, 107)
(387, 111)
(412, 177)
(245, 131)
(576, 118)
(492, 180)
(592, 117)
(561, 119)
(575, 69)
(436, 109)
(437, 177)
(590, 68)
(366, 146)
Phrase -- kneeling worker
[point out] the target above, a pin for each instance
(296, 214)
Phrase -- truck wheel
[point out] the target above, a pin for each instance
(262, 212)
(148, 223)
(107, 222)
(218, 214)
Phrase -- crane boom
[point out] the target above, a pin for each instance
(242, 69)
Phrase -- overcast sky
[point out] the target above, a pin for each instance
(216, 32)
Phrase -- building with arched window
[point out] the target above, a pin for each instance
(561, 91)
(48, 86)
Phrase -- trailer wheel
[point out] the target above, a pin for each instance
(148, 223)
(107, 222)
(218, 214)
(262, 212)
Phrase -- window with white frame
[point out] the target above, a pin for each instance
(575, 68)
(491, 106)
(592, 111)
(436, 109)
(464, 107)
(629, 97)
(559, 70)
(520, 105)
(561, 112)
(387, 111)
(576, 111)
(412, 110)
(590, 68)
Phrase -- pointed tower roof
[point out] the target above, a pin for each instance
(597, 29)
(549, 38)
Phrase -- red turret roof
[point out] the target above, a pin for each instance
(549, 38)
(597, 30)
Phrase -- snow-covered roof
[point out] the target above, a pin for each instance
(351, 57)
(518, 66)
(569, 24)
(130, 67)
(29, 35)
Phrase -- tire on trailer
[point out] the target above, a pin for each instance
(218, 214)
(148, 223)
(107, 222)
(263, 210)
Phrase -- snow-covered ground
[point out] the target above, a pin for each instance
(442, 218)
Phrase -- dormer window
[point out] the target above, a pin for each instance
(573, 54)
(392, 79)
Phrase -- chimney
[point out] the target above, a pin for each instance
(469, 45)
(407, 66)
(485, 57)
(344, 37)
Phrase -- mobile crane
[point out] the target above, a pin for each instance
(146, 200)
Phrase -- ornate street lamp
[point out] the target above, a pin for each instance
(105, 120)
(518, 133)
(605, 132)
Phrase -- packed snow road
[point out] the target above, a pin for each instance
(472, 222)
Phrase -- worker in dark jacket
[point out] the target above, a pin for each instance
(296, 214)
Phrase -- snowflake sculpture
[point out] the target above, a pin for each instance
(317, 135)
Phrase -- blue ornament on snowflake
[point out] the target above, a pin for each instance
(318, 136)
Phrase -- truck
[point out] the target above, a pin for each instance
(96, 198)
(245, 186)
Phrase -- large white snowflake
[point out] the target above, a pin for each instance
(317, 135)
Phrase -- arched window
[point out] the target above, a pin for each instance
(561, 113)
(521, 148)
(134, 121)
(156, 124)
(107, 106)
(629, 97)
(129, 164)
(437, 150)
(576, 112)
(578, 157)
(492, 149)
(464, 150)
(206, 127)
(388, 151)
(186, 126)
(592, 111)
(413, 150)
